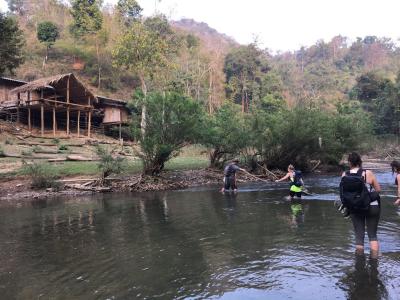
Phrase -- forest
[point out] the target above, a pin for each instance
(188, 84)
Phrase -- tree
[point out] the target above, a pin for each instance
(11, 44)
(47, 33)
(87, 20)
(226, 134)
(145, 50)
(16, 6)
(244, 66)
(173, 121)
(129, 11)
(380, 97)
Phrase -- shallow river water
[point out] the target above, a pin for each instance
(196, 244)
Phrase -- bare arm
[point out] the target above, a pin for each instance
(397, 202)
(371, 179)
(283, 178)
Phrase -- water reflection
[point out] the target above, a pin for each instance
(363, 280)
(296, 207)
(191, 244)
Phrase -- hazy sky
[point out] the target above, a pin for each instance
(285, 24)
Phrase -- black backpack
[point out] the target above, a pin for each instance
(297, 178)
(354, 193)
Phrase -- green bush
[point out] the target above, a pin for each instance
(301, 135)
(62, 147)
(42, 175)
(1, 152)
(172, 121)
(108, 164)
(27, 152)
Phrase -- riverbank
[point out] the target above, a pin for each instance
(19, 189)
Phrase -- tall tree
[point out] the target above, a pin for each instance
(87, 21)
(244, 67)
(11, 44)
(144, 50)
(129, 11)
(47, 33)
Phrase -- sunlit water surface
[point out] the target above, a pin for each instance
(196, 244)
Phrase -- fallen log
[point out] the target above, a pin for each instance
(57, 159)
(80, 158)
(98, 189)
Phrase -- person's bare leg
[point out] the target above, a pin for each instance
(374, 245)
(359, 250)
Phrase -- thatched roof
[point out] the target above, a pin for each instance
(78, 92)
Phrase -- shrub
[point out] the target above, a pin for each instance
(108, 164)
(1, 152)
(62, 147)
(8, 142)
(26, 152)
(36, 149)
(42, 175)
(172, 122)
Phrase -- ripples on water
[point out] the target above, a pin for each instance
(196, 244)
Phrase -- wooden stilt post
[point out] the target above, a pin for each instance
(79, 123)
(54, 121)
(89, 122)
(19, 99)
(68, 105)
(120, 134)
(68, 120)
(29, 112)
(42, 119)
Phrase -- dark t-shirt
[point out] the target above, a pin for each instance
(231, 169)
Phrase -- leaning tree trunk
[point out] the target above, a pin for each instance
(144, 112)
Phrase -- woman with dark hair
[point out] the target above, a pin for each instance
(369, 218)
(396, 169)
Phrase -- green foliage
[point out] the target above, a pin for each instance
(245, 68)
(301, 135)
(56, 141)
(11, 44)
(173, 121)
(226, 134)
(62, 147)
(87, 17)
(146, 49)
(42, 175)
(381, 97)
(129, 11)
(47, 33)
(108, 164)
(1, 151)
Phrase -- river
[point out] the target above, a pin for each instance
(196, 244)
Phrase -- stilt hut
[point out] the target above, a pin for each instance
(59, 102)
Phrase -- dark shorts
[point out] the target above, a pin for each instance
(368, 220)
(230, 183)
(292, 194)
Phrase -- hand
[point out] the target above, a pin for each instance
(397, 202)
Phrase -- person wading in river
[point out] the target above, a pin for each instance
(296, 182)
(396, 169)
(230, 176)
(362, 215)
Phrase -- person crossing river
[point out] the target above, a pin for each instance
(296, 182)
(230, 176)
